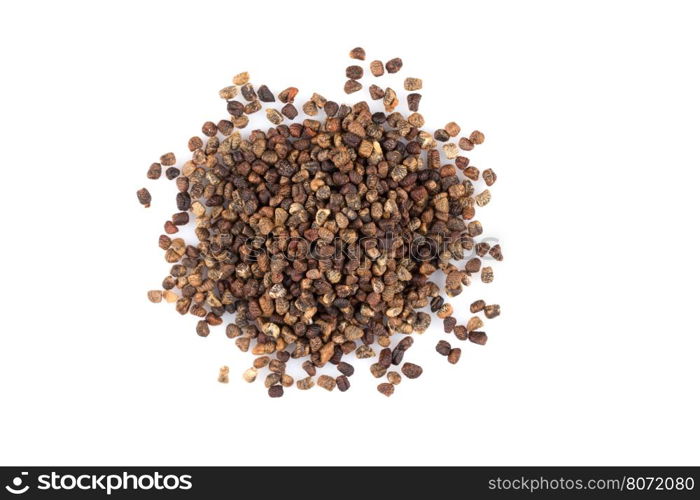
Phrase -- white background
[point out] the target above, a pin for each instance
(592, 117)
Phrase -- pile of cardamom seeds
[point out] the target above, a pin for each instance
(318, 237)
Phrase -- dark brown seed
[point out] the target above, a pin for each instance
(394, 65)
(411, 370)
(154, 171)
(183, 201)
(209, 129)
(342, 383)
(164, 242)
(436, 303)
(265, 95)
(357, 53)
(492, 311)
(276, 391)
(331, 108)
(441, 135)
(352, 86)
(169, 227)
(172, 173)
(461, 332)
(167, 160)
(345, 368)
(477, 306)
(405, 344)
(478, 337)
(309, 368)
(289, 111)
(397, 357)
(202, 328)
(386, 389)
(443, 347)
(354, 72)
(376, 68)
(449, 324)
(248, 93)
(385, 358)
(376, 92)
(144, 197)
(181, 218)
(234, 108)
(473, 265)
(413, 101)
(454, 355)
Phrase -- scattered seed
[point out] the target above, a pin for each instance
(412, 84)
(305, 383)
(274, 116)
(489, 177)
(144, 197)
(454, 355)
(478, 337)
(168, 159)
(394, 65)
(250, 375)
(411, 370)
(223, 374)
(491, 311)
(386, 389)
(376, 68)
(394, 378)
(154, 171)
(487, 274)
(413, 101)
(354, 72)
(357, 53)
(265, 95)
(443, 347)
(241, 78)
(276, 391)
(452, 129)
(327, 382)
(476, 137)
(352, 86)
(477, 306)
(155, 296)
(228, 92)
(342, 383)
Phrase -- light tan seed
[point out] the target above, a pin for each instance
(412, 84)
(241, 78)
